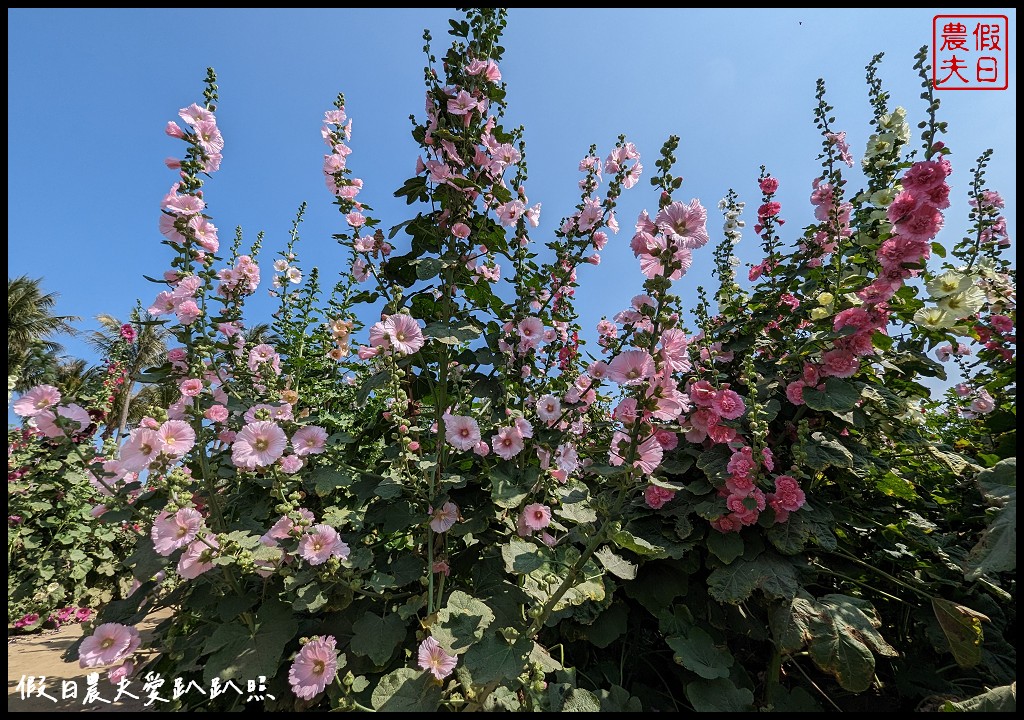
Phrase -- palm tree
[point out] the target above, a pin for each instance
(148, 349)
(75, 376)
(30, 324)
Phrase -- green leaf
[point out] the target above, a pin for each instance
(608, 627)
(999, 699)
(494, 659)
(505, 490)
(377, 637)
(427, 268)
(725, 546)
(735, 582)
(237, 653)
(615, 564)
(838, 396)
(843, 632)
(997, 550)
(372, 383)
(629, 541)
(579, 700)
(406, 690)
(327, 479)
(446, 334)
(962, 627)
(696, 650)
(618, 700)
(521, 556)
(719, 695)
(461, 622)
(824, 450)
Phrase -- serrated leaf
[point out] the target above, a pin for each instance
(838, 396)
(377, 637)
(521, 557)
(461, 622)
(495, 659)
(725, 546)
(719, 695)
(616, 565)
(406, 690)
(696, 650)
(843, 633)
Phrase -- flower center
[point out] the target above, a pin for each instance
(107, 643)
(261, 444)
(319, 666)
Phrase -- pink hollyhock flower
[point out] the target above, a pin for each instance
(174, 130)
(722, 434)
(769, 185)
(508, 442)
(925, 175)
(656, 497)
(667, 439)
(649, 454)
(435, 660)
(258, 444)
(531, 332)
(548, 408)
(674, 344)
(631, 367)
(191, 387)
(443, 519)
(741, 485)
(26, 620)
(598, 370)
(742, 462)
(176, 438)
(216, 413)
(404, 333)
(290, 464)
(286, 527)
(685, 224)
(702, 393)
(788, 495)
(197, 558)
(626, 411)
(983, 403)
(320, 544)
(36, 400)
(309, 440)
(187, 312)
(122, 671)
(536, 516)
(263, 354)
(109, 643)
(460, 230)
(461, 432)
(839, 363)
(83, 614)
(524, 427)
(46, 420)
(462, 104)
(795, 392)
(1002, 323)
(728, 404)
(140, 449)
(194, 114)
(314, 668)
(171, 532)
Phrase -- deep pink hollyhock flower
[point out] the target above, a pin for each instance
(769, 185)
(656, 497)
(314, 668)
(728, 404)
(788, 495)
(839, 363)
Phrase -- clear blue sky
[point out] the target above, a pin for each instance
(89, 93)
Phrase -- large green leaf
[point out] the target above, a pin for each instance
(999, 699)
(719, 695)
(377, 637)
(494, 658)
(696, 650)
(838, 396)
(239, 653)
(579, 700)
(406, 690)
(997, 549)
(521, 556)
(735, 582)
(823, 450)
(726, 546)
(962, 628)
(843, 633)
(461, 622)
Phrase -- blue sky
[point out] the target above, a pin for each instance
(89, 93)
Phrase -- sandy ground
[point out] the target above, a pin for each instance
(40, 656)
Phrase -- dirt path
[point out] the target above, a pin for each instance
(39, 655)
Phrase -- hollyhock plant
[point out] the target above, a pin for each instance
(314, 668)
